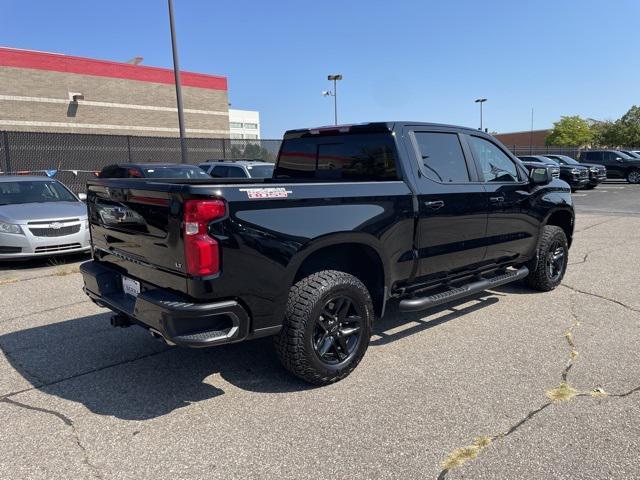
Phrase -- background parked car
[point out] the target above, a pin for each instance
(619, 164)
(39, 216)
(597, 173)
(631, 153)
(577, 176)
(152, 170)
(529, 164)
(238, 168)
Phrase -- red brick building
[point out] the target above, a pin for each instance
(50, 92)
(524, 139)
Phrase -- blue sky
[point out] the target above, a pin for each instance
(404, 60)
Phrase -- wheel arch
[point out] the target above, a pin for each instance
(358, 255)
(563, 218)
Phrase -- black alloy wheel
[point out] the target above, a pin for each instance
(337, 330)
(555, 260)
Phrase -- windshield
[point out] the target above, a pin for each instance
(261, 171)
(565, 160)
(25, 191)
(630, 154)
(175, 172)
(624, 155)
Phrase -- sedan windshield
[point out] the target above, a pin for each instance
(175, 172)
(261, 171)
(31, 191)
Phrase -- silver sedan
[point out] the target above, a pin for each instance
(39, 216)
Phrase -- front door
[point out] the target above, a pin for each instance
(452, 206)
(512, 228)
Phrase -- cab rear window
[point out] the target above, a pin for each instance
(353, 157)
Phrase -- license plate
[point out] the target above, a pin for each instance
(130, 286)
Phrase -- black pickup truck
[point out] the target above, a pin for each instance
(354, 217)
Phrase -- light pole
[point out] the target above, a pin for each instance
(334, 94)
(480, 101)
(176, 73)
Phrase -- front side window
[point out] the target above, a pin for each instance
(495, 165)
(353, 157)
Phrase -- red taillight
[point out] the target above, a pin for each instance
(201, 252)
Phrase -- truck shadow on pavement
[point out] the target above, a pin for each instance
(126, 374)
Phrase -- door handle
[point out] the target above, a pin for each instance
(496, 199)
(434, 204)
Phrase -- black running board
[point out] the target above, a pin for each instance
(420, 303)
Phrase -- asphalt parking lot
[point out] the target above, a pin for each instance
(472, 390)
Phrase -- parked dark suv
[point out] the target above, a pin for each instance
(577, 176)
(597, 173)
(619, 164)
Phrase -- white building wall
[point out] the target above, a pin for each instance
(244, 124)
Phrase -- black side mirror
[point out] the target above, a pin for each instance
(619, 159)
(540, 176)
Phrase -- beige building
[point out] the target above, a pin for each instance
(48, 92)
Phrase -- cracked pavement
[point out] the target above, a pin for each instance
(79, 399)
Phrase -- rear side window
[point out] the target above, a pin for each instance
(442, 159)
(356, 157)
(496, 166)
(236, 172)
(219, 172)
(592, 156)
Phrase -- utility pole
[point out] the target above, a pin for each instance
(531, 134)
(176, 73)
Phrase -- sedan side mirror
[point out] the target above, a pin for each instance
(540, 176)
(619, 159)
(82, 197)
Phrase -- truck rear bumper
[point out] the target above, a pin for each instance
(174, 317)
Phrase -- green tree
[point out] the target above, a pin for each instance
(628, 128)
(572, 131)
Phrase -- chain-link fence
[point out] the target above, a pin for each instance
(74, 158)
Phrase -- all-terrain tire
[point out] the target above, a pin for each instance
(307, 299)
(540, 277)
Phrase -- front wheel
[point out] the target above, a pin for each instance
(326, 328)
(553, 255)
(633, 176)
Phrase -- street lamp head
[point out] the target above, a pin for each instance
(334, 77)
(480, 100)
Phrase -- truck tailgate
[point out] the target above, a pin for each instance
(135, 225)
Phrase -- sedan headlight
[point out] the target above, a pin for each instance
(10, 228)
(593, 169)
(575, 171)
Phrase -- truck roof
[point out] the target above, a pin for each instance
(370, 127)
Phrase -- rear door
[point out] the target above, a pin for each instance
(452, 205)
(512, 228)
(614, 163)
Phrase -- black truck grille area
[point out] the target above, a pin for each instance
(55, 232)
